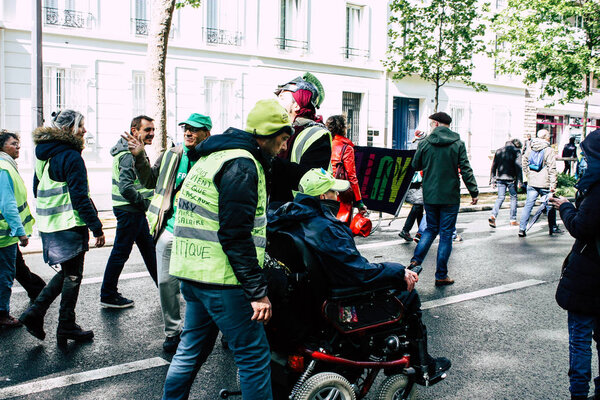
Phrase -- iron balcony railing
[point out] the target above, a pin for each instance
(349, 52)
(285, 43)
(221, 36)
(68, 18)
(141, 26)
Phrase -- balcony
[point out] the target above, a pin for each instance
(141, 26)
(351, 52)
(220, 36)
(67, 18)
(285, 43)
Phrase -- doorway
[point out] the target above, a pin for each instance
(405, 120)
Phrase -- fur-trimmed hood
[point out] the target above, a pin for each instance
(51, 141)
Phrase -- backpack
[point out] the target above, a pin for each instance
(536, 160)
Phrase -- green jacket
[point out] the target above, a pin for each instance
(440, 155)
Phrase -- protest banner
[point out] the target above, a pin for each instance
(384, 176)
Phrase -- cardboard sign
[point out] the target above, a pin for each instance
(384, 176)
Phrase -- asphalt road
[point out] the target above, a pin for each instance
(498, 323)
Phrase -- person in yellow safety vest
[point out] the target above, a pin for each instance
(16, 221)
(65, 212)
(130, 201)
(218, 252)
(310, 144)
(166, 178)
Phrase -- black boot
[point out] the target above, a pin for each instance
(34, 322)
(74, 332)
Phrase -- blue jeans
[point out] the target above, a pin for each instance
(8, 260)
(581, 330)
(441, 219)
(532, 195)
(131, 228)
(503, 186)
(207, 312)
(423, 226)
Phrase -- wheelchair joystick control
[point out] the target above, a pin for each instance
(392, 343)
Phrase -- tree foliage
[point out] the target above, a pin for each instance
(435, 40)
(555, 42)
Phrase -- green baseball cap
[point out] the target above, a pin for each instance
(198, 121)
(268, 118)
(318, 181)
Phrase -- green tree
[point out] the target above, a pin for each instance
(435, 40)
(158, 40)
(553, 42)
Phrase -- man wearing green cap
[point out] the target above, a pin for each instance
(219, 248)
(166, 177)
(130, 201)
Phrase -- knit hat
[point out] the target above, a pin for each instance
(268, 118)
(441, 117)
(198, 121)
(318, 181)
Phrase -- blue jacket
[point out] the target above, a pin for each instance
(8, 205)
(331, 242)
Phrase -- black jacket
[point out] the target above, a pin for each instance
(237, 183)
(66, 165)
(579, 287)
(507, 164)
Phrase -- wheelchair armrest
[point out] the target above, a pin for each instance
(350, 292)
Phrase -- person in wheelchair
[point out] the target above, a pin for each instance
(311, 219)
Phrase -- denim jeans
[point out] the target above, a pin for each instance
(423, 226)
(532, 195)
(8, 258)
(131, 228)
(207, 312)
(582, 328)
(168, 286)
(503, 186)
(441, 219)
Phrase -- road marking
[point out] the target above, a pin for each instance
(380, 244)
(480, 293)
(27, 388)
(98, 279)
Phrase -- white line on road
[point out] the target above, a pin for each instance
(480, 293)
(98, 279)
(380, 244)
(31, 387)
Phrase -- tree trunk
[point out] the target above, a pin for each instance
(437, 96)
(588, 81)
(158, 38)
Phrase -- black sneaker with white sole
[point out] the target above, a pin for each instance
(117, 301)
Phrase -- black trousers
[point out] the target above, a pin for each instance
(32, 283)
(66, 282)
(415, 214)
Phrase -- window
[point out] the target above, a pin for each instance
(139, 92)
(140, 19)
(356, 35)
(500, 4)
(223, 23)
(459, 120)
(500, 127)
(219, 99)
(351, 109)
(64, 88)
(293, 25)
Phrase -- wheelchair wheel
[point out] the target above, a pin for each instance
(393, 388)
(326, 385)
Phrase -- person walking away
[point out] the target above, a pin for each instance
(539, 165)
(165, 177)
(439, 156)
(16, 222)
(220, 265)
(310, 145)
(506, 175)
(577, 290)
(343, 164)
(569, 151)
(130, 201)
(65, 212)
(414, 196)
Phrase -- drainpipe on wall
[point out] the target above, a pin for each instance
(2, 85)
(37, 106)
(386, 111)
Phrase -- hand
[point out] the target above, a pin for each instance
(410, 278)
(474, 200)
(557, 201)
(24, 241)
(136, 146)
(363, 210)
(262, 310)
(100, 241)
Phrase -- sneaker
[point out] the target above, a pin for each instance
(457, 238)
(405, 235)
(492, 221)
(417, 237)
(171, 342)
(436, 368)
(514, 223)
(444, 282)
(8, 321)
(522, 233)
(554, 230)
(117, 301)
